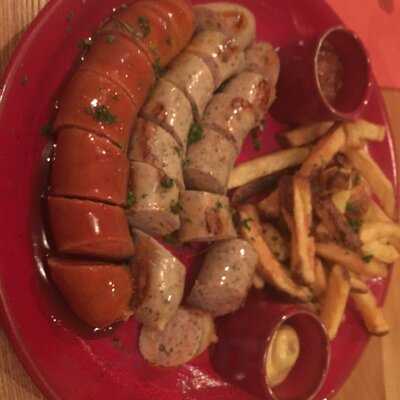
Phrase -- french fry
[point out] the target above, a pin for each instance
(375, 213)
(357, 284)
(335, 300)
(302, 224)
(320, 282)
(269, 268)
(372, 231)
(334, 253)
(340, 199)
(269, 207)
(377, 180)
(306, 134)
(275, 242)
(384, 252)
(323, 152)
(359, 131)
(267, 165)
(371, 314)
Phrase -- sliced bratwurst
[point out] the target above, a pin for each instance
(154, 199)
(205, 217)
(232, 19)
(185, 337)
(192, 75)
(153, 145)
(90, 229)
(209, 162)
(221, 53)
(225, 277)
(88, 166)
(169, 108)
(160, 279)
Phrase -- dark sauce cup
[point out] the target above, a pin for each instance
(244, 339)
(300, 95)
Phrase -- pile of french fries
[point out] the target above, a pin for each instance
(324, 231)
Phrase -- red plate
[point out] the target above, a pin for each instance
(64, 361)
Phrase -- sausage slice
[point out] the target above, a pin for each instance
(81, 227)
(151, 144)
(186, 336)
(95, 103)
(161, 281)
(205, 217)
(209, 162)
(220, 52)
(88, 167)
(232, 19)
(225, 277)
(193, 76)
(169, 107)
(154, 200)
(99, 293)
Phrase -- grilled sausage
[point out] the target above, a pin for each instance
(98, 293)
(151, 144)
(262, 58)
(86, 228)
(169, 107)
(123, 62)
(186, 336)
(205, 217)
(192, 75)
(155, 200)
(225, 277)
(209, 163)
(240, 107)
(89, 167)
(220, 52)
(95, 103)
(232, 19)
(161, 281)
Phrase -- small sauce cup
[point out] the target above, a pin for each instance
(300, 90)
(244, 341)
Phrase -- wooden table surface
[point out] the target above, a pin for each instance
(377, 376)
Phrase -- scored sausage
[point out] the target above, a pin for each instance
(160, 279)
(93, 102)
(169, 107)
(261, 57)
(154, 204)
(193, 76)
(179, 14)
(81, 227)
(220, 52)
(225, 277)
(147, 28)
(96, 169)
(240, 108)
(209, 162)
(205, 217)
(232, 19)
(151, 144)
(122, 61)
(98, 293)
(187, 335)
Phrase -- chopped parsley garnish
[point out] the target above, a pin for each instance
(175, 207)
(178, 150)
(195, 133)
(171, 238)
(102, 114)
(355, 224)
(158, 69)
(131, 200)
(351, 207)
(84, 44)
(255, 139)
(245, 223)
(367, 258)
(110, 38)
(167, 182)
(47, 129)
(144, 25)
(218, 205)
